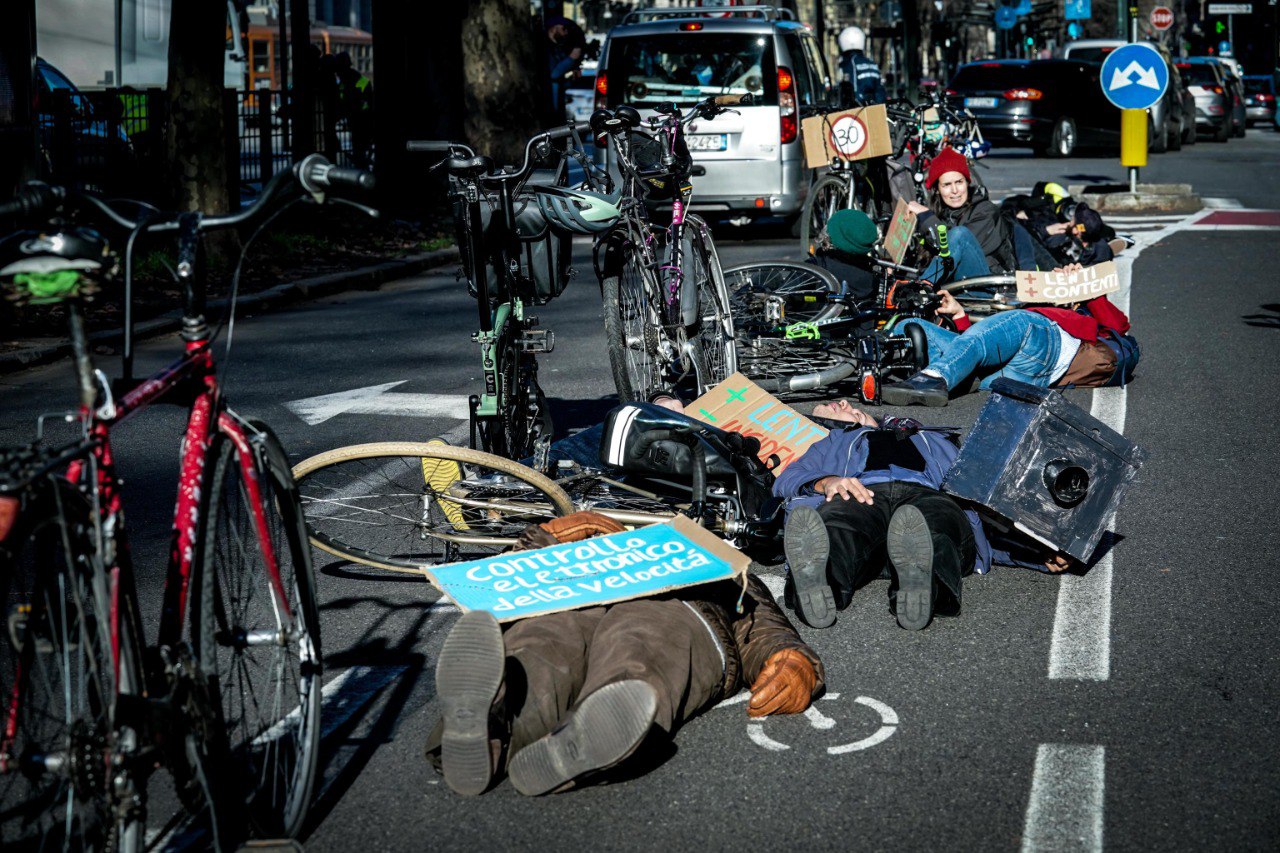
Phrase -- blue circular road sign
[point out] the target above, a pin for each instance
(1134, 77)
(1006, 17)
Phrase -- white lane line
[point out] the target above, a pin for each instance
(1066, 805)
(349, 692)
(1221, 203)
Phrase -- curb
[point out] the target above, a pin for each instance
(365, 278)
(1150, 198)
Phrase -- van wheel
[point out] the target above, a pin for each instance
(1062, 143)
(1175, 138)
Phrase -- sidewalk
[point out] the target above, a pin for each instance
(40, 351)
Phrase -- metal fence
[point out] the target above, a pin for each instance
(113, 141)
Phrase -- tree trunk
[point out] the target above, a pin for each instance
(504, 78)
(195, 142)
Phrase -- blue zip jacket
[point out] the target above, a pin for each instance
(843, 453)
(864, 75)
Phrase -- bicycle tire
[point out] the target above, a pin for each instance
(237, 625)
(715, 333)
(632, 325)
(801, 293)
(376, 504)
(829, 194)
(57, 677)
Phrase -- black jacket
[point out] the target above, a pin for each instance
(983, 218)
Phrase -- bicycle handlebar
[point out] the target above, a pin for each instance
(502, 175)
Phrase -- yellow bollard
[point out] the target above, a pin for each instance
(1133, 138)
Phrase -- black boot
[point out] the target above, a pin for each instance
(919, 390)
(807, 546)
(910, 547)
(603, 730)
(468, 676)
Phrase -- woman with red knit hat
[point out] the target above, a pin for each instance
(955, 202)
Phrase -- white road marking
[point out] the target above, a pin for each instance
(379, 400)
(1066, 805)
(349, 692)
(755, 731)
(1222, 203)
(774, 583)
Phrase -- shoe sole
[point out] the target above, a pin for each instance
(468, 676)
(603, 730)
(910, 547)
(907, 397)
(805, 542)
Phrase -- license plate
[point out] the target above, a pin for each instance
(708, 142)
(979, 102)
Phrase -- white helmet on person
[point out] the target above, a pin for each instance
(852, 38)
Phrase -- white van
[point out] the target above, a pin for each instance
(753, 161)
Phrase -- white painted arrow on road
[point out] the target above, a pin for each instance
(1146, 76)
(378, 400)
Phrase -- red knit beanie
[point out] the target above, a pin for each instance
(948, 160)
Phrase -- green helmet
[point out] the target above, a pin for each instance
(579, 211)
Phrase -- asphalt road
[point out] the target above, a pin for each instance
(1170, 743)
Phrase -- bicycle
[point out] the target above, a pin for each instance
(230, 703)
(666, 317)
(506, 274)
(409, 506)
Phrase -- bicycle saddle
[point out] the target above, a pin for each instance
(469, 166)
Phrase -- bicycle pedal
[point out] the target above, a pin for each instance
(537, 340)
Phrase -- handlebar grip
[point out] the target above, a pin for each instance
(429, 145)
(558, 133)
(32, 199)
(317, 174)
(734, 100)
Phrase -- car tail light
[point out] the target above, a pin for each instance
(788, 120)
(692, 26)
(1217, 90)
(1023, 95)
(1266, 99)
(951, 93)
(1184, 66)
(602, 89)
(8, 515)
(991, 65)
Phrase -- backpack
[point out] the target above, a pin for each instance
(1127, 354)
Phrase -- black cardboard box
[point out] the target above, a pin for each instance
(1047, 467)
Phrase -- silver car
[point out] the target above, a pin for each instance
(747, 164)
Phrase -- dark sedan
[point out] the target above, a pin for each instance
(1051, 105)
(1260, 98)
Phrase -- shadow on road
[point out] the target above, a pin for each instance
(1264, 321)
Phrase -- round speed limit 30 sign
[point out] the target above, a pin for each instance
(848, 136)
(1162, 18)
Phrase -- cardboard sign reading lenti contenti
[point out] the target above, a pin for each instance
(740, 405)
(621, 566)
(1060, 288)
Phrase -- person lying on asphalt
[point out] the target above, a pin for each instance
(555, 700)
(866, 502)
(1046, 346)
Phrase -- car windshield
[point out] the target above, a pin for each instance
(992, 76)
(1257, 85)
(1198, 74)
(687, 67)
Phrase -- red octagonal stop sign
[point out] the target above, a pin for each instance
(1162, 18)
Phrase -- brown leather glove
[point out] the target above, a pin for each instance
(581, 525)
(784, 686)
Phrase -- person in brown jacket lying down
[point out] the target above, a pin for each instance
(558, 698)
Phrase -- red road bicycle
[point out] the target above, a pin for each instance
(229, 705)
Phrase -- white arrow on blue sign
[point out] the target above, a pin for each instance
(1006, 17)
(1134, 77)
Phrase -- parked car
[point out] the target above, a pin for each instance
(753, 158)
(1260, 99)
(1172, 114)
(1213, 100)
(580, 95)
(78, 144)
(1239, 113)
(1053, 106)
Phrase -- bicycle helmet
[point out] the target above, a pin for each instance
(579, 211)
(852, 38)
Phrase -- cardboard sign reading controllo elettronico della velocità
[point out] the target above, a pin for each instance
(621, 566)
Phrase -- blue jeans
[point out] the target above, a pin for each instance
(966, 252)
(1018, 344)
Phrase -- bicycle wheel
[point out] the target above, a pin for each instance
(715, 333)
(407, 506)
(829, 194)
(640, 354)
(767, 296)
(624, 503)
(57, 680)
(259, 645)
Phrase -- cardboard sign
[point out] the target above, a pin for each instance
(1060, 288)
(898, 238)
(618, 567)
(740, 405)
(847, 135)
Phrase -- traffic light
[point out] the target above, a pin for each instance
(1030, 42)
(1219, 28)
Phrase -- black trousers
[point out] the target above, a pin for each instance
(858, 534)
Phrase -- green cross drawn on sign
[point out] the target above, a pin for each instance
(739, 395)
